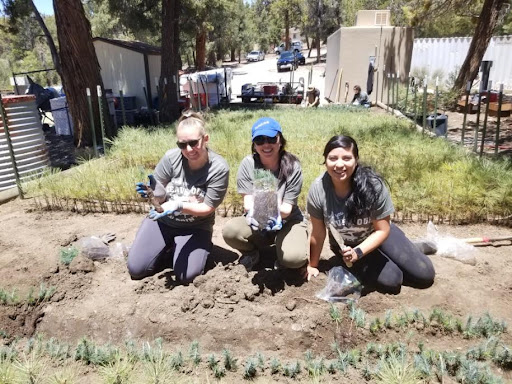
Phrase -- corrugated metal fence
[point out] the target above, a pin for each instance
(27, 139)
(444, 56)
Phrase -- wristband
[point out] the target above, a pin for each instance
(359, 253)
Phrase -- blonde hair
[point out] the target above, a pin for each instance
(189, 119)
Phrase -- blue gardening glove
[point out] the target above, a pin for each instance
(170, 207)
(251, 221)
(274, 224)
(157, 187)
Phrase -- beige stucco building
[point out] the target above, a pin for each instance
(351, 49)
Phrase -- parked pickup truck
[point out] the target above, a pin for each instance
(270, 92)
(296, 45)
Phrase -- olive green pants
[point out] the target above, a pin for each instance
(291, 241)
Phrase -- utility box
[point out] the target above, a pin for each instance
(441, 128)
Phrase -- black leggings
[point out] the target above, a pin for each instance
(397, 261)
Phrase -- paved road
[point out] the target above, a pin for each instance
(266, 70)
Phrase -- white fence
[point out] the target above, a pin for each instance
(444, 56)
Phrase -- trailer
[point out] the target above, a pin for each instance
(272, 92)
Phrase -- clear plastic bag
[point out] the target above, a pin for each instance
(265, 197)
(342, 286)
(451, 247)
(93, 248)
(119, 251)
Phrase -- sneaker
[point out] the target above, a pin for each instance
(250, 259)
(425, 246)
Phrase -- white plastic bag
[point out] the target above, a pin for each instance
(342, 286)
(451, 247)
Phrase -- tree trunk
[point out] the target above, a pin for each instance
(49, 39)
(169, 76)
(201, 49)
(233, 54)
(318, 49)
(80, 67)
(287, 30)
(487, 22)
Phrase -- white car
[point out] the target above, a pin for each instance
(296, 45)
(255, 56)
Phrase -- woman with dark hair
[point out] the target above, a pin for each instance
(288, 230)
(190, 182)
(352, 200)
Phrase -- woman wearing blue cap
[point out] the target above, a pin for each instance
(287, 230)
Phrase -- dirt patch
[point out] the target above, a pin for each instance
(269, 311)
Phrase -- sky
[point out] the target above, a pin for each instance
(44, 6)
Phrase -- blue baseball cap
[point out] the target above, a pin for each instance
(266, 126)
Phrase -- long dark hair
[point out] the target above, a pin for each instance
(286, 162)
(366, 184)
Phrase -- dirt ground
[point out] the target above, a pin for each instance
(274, 312)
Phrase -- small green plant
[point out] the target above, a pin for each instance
(119, 371)
(397, 370)
(261, 361)
(335, 315)
(387, 320)
(31, 369)
(357, 315)
(176, 361)
(230, 362)
(67, 254)
(212, 362)
(44, 294)
(7, 372)
(250, 369)
(275, 366)
(375, 325)
(219, 372)
(194, 353)
(8, 298)
(87, 352)
(292, 370)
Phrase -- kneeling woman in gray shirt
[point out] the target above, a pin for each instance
(287, 231)
(352, 200)
(190, 181)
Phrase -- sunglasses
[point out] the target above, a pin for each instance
(185, 144)
(260, 140)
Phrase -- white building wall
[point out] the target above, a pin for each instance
(444, 56)
(122, 68)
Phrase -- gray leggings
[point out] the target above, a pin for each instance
(396, 261)
(158, 246)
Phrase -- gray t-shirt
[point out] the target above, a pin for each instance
(207, 184)
(324, 204)
(288, 190)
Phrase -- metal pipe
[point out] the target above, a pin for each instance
(475, 144)
(392, 93)
(102, 124)
(397, 101)
(387, 83)
(500, 101)
(121, 97)
(424, 105)
(435, 105)
(407, 92)
(487, 101)
(415, 102)
(468, 89)
(11, 148)
(91, 118)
